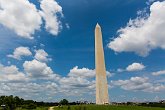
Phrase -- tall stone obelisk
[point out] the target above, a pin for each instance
(102, 96)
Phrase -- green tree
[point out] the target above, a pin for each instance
(10, 102)
(64, 102)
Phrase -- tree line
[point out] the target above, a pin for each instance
(12, 102)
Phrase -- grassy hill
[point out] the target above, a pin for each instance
(106, 107)
(38, 108)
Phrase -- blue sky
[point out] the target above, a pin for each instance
(47, 49)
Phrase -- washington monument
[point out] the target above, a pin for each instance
(101, 80)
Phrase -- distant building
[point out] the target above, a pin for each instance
(162, 101)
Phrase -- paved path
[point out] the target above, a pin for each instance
(51, 108)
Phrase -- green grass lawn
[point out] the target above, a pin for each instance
(38, 108)
(106, 107)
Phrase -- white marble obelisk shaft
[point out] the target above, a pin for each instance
(101, 80)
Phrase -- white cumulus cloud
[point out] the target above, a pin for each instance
(78, 78)
(50, 9)
(20, 16)
(143, 34)
(139, 84)
(84, 72)
(42, 56)
(38, 79)
(79, 81)
(19, 52)
(135, 67)
(159, 73)
(11, 74)
(120, 70)
(37, 69)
